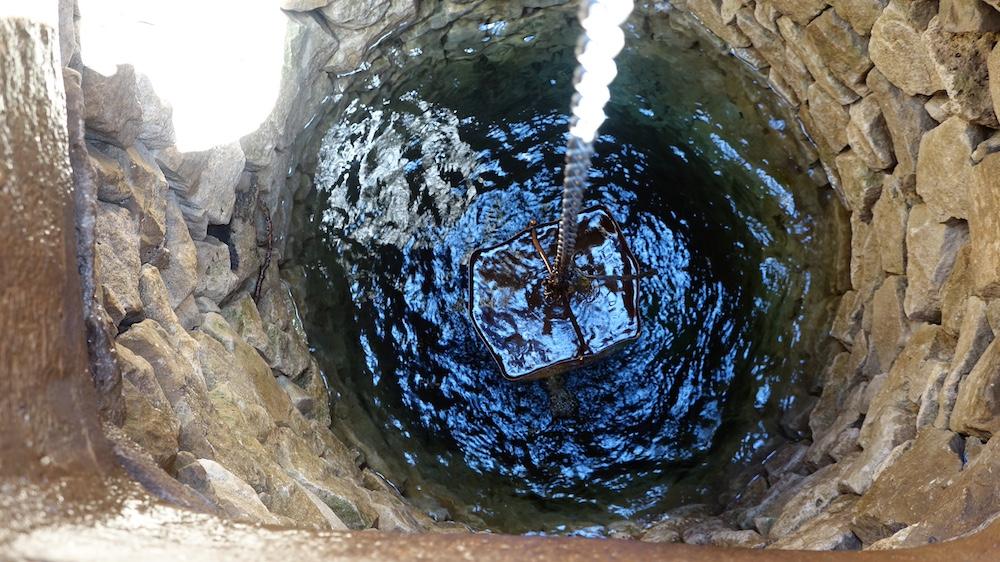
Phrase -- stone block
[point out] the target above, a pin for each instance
(830, 120)
(890, 328)
(889, 217)
(973, 339)
(931, 250)
(977, 406)
(961, 61)
(806, 50)
(904, 490)
(116, 248)
(149, 418)
(944, 168)
(843, 51)
(862, 185)
(215, 273)
(800, 11)
(905, 117)
(984, 227)
(868, 135)
(964, 16)
(212, 176)
(899, 50)
(861, 14)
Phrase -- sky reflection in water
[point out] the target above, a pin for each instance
(412, 184)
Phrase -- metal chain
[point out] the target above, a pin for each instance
(578, 157)
(601, 41)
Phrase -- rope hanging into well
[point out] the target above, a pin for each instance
(601, 41)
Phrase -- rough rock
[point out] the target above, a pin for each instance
(891, 415)
(973, 338)
(817, 491)
(156, 306)
(956, 290)
(939, 107)
(672, 524)
(866, 267)
(112, 187)
(763, 515)
(767, 15)
(149, 419)
(181, 381)
(211, 177)
(861, 14)
(899, 50)
(836, 382)
(288, 498)
(977, 407)
(714, 532)
(787, 67)
(180, 275)
(900, 539)
(350, 14)
(785, 459)
(215, 273)
(334, 522)
(112, 107)
(313, 383)
(931, 249)
(147, 189)
(964, 506)
(906, 119)
(157, 129)
(302, 5)
(116, 234)
(800, 11)
(984, 227)
(243, 316)
(960, 60)
(944, 168)
(188, 314)
(963, 16)
(847, 318)
(987, 147)
(318, 476)
(780, 85)
(807, 51)
(707, 11)
(302, 401)
(844, 51)
(993, 73)
(288, 350)
(839, 439)
(890, 327)
(234, 496)
(902, 492)
(829, 530)
(861, 184)
(729, 8)
(231, 386)
(830, 120)
(243, 370)
(868, 135)
(889, 217)
(394, 519)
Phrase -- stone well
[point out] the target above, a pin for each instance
(170, 373)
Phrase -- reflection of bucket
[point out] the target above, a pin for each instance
(532, 335)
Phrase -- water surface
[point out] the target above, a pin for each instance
(461, 150)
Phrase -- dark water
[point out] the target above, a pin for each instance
(415, 174)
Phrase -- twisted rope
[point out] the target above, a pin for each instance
(601, 41)
(578, 157)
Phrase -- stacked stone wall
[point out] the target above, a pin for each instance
(901, 98)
